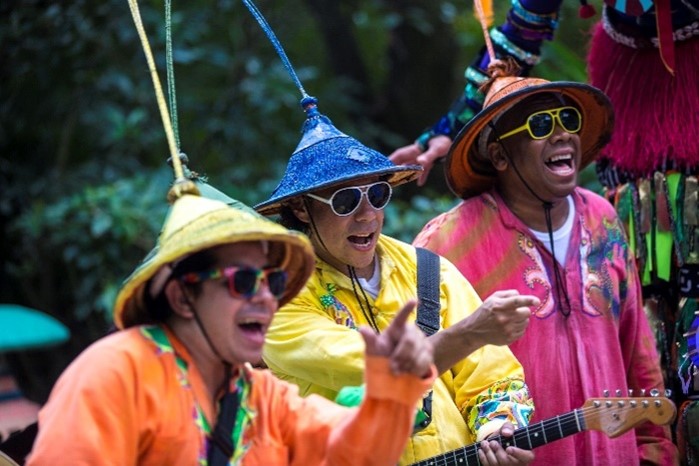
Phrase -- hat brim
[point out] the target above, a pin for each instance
(397, 175)
(469, 173)
(217, 227)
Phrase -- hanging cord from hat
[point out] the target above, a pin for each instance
(561, 295)
(197, 318)
(308, 103)
(498, 67)
(276, 44)
(483, 20)
(182, 185)
(172, 95)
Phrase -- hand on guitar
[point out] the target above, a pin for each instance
(492, 452)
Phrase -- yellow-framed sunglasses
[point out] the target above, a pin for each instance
(540, 125)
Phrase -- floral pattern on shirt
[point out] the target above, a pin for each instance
(340, 312)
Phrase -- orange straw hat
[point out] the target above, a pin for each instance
(469, 171)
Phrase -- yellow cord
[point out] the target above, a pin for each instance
(182, 185)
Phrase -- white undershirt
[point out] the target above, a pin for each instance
(561, 237)
(372, 285)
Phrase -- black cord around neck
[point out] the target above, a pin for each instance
(366, 311)
(368, 315)
(561, 295)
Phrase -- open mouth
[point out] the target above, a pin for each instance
(560, 163)
(361, 240)
(252, 326)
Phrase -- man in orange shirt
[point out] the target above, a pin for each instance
(175, 386)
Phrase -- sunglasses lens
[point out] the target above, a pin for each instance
(570, 119)
(245, 282)
(540, 125)
(276, 280)
(379, 194)
(345, 201)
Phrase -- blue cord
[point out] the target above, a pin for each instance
(306, 99)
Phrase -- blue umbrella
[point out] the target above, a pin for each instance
(22, 328)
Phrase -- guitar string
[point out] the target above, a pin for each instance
(562, 421)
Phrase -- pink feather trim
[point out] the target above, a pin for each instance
(656, 114)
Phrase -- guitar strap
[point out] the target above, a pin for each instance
(427, 291)
(428, 307)
(221, 446)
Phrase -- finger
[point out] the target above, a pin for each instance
(413, 353)
(486, 454)
(508, 301)
(426, 169)
(523, 301)
(370, 340)
(504, 294)
(423, 177)
(507, 429)
(429, 157)
(405, 154)
(403, 356)
(401, 318)
(521, 455)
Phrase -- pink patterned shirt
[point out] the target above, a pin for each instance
(604, 344)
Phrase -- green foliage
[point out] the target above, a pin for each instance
(405, 219)
(77, 249)
(82, 147)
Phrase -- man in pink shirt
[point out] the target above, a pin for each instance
(525, 225)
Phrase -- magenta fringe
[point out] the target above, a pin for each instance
(656, 114)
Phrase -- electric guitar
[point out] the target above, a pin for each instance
(613, 416)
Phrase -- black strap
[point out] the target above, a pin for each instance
(221, 446)
(428, 305)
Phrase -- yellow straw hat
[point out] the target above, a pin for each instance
(195, 224)
(468, 169)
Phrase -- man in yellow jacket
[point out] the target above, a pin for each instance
(335, 190)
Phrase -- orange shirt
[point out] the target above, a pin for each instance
(123, 402)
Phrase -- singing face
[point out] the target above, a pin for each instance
(237, 299)
(540, 140)
(346, 223)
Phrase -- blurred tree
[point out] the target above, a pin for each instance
(82, 150)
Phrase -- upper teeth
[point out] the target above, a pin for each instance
(556, 158)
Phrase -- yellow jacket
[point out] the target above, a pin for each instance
(313, 343)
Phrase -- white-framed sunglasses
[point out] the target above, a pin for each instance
(345, 201)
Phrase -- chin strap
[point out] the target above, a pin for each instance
(200, 324)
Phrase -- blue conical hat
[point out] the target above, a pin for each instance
(326, 157)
